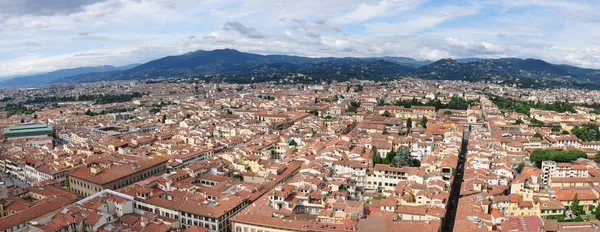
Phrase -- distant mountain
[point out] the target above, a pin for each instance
(236, 66)
(401, 60)
(469, 59)
(50, 77)
(233, 62)
(502, 68)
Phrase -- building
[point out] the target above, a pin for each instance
(46, 199)
(113, 172)
(553, 169)
(183, 198)
(387, 177)
(28, 131)
(283, 209)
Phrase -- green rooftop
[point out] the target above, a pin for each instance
(32, 128)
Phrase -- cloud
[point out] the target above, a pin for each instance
(246, 31)
(466, 48)
(416, 22)
(42, 8)
(83, 35)
(67, 34)
(366, 11)
(312, 29)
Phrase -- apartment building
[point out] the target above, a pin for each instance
(386, 177)
(553, 169)
(113, 172)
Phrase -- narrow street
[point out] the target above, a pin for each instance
(456, 184)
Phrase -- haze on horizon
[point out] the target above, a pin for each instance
(42, 36)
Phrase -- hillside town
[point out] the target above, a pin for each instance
(404, 155)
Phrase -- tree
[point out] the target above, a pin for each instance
(447, 112)
(587, 133)
(386, 114)
(389, 157)
(597, 211)
(402, 157)
(565, 132)
(557, 128)
(538, 135)
(409, 124)
(536, 121)
(424, 122)
(575, 207)
(314, 112)
(328, 117)
(519, 121)
(520, 167)
(539, 155)
(415, 163)
(196, 90)
(292, 143)
(377, 159)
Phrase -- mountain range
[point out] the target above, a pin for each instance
(235, 66)
(45, 78)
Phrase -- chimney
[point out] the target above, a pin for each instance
(95, 170)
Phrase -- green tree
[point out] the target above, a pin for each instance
(519, 121)
(539, 155)
(520, 167)
(377, 159)
(587, 133)
(314, 112)
(424, 122)
(447, 112)
(596, 211)
(386, 114)
(409, 124)
(557, 128)
(292, 143)
(538, 135)
(536, 121)
(415, 163)
(575, 207)
(389, 157)
(402, 157)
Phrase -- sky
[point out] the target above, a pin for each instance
(41, 36)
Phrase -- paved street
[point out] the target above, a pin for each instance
(455, 189)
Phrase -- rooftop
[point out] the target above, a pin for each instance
(28, 128)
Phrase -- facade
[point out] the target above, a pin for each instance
(113, 172)
(387, 177)
(553, 169)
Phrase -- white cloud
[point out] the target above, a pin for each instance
(119, 32)
(418, 21)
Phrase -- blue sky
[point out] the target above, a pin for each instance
(40, 36)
